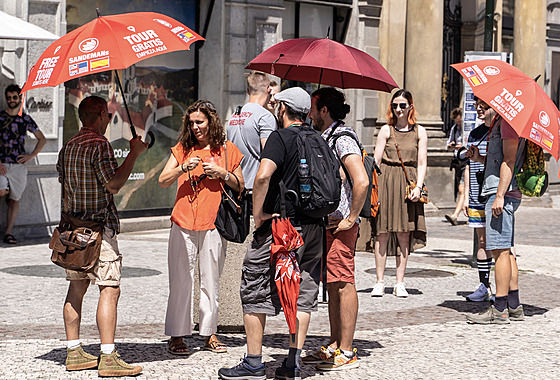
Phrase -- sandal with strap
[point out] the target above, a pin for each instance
(214, 345)
(177, 347)
(10, 239)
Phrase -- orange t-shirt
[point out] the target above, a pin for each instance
(196, 209)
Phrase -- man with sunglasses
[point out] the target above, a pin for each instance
(503, 199)
(91, 176)
(13, 172)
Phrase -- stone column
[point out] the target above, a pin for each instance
(423, 58)
(392, 42)
(529, 37)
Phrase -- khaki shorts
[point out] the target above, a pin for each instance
(14, 180)
(107, 270)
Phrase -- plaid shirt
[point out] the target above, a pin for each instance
(89, 164)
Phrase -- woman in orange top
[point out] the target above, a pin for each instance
(198, 162)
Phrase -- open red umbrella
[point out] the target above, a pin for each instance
(287, 275)
(517, 98)
(109, 43)
(323, 61)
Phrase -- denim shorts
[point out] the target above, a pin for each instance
(500, 230)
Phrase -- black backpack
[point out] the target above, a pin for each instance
(324, 177)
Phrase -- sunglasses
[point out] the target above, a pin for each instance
(9, 97)
(402, 106)
(195, 181)
(485, 107)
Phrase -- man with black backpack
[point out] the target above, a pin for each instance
(327, 110)
(280, 165)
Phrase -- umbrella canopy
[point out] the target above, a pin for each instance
(13, 28)
(109, 43)
(287, 275)
(323, 61)
(517, 98)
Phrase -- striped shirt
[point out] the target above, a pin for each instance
(89, 164)
(476, 208)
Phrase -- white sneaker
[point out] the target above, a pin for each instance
(378, 289)
(400, 291)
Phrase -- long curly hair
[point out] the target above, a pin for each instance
(412, 114)
(216, 130)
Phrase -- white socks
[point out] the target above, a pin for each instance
(73, 343)
(107, 349)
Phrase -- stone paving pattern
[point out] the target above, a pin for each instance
(422, 337)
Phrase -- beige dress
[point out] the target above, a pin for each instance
(396, 214)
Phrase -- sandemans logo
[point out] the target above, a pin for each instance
(88, 45)
(491, 70)
(544, 119)
(163, 22)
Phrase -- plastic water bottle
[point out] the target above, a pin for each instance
(304, 179)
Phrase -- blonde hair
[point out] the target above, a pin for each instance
(257, 82)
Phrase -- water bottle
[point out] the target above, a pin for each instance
(304, 179)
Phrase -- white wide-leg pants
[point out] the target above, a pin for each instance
(184, 247)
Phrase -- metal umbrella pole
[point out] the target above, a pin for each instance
(132, 129)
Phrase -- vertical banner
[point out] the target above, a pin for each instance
(470, 120)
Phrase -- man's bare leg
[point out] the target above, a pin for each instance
(107, 313)
(72, 310)
(254, 329)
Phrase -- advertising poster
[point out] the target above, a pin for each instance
(470, 120)
(158, 90)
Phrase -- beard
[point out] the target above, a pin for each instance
(318, 124)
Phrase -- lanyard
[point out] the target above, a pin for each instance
(295, 123)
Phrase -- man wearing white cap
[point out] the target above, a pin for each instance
(280, 160)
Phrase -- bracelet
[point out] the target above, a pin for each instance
(418, 187)
(183, 168)
(226, 177)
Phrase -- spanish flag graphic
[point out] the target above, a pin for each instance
(97, 64)
(475, 81)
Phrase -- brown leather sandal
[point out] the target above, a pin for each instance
(177, 347)
(214, 345)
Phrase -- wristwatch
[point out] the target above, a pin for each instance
(226, 177)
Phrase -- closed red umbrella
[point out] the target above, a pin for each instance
(323, 61)
(517, 98)
(287, 275)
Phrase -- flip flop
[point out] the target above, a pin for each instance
(215, 346)
(10, 239)
(177, 348)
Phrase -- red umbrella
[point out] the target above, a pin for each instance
(517, 98)
(287, 275)
(323, 61)
(109, 43)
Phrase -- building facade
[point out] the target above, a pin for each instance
(415, 40)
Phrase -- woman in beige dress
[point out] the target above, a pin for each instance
(400, 226)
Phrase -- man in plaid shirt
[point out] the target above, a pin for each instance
(91, 177)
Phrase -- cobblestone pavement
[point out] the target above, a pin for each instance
(422, 337)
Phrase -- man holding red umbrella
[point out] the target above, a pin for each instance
(280, 161)
(503, 199)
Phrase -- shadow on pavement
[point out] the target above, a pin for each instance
(389, 290)
(479, 307)
(313, 342)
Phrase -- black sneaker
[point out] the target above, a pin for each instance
(243, 371)
(285, 373)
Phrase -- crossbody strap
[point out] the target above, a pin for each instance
(399, 153)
